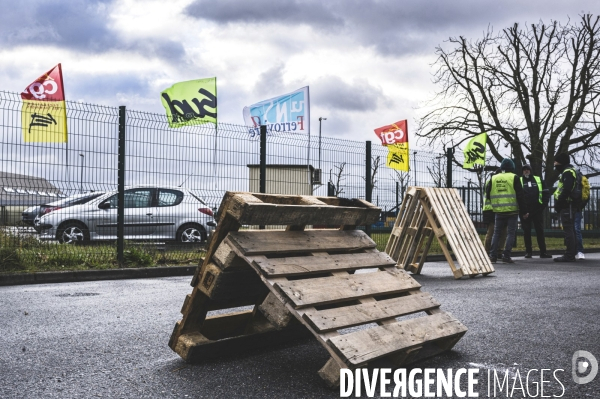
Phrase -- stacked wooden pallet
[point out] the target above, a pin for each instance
(426, 213)
(333, 284)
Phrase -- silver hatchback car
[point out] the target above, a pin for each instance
(151, 213)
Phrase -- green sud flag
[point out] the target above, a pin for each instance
(475, 151)
(191, 103)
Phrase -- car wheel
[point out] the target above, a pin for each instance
(191, 233)
(72, 233)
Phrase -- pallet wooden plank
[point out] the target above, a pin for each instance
(282, 199)
(403, 222)
(477, 244)
(463, 238)
(225, 224)
(425, 251)
(226, 259)
(366, 345)
(267, 242)
(260, 213)
(447, 222)
(324, 290)
(275, 311)
(231, 284)
(469, 236)
(413, 220)
(350, 316)
(353, 202)
(439, 233)
(300, 265)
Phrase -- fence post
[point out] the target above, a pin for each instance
(368, 180)
(121, 188)
(263, 162)
(397, 196)
(330, 189)
(449, 153)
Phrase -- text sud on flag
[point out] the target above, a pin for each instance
(286, 113)
(474, 152)
(395, 138)
(44, 114)
(191, 103)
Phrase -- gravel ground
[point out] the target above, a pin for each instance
(109, 338)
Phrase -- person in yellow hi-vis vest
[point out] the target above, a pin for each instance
(489, 218)
(506, 196)
(536, 198)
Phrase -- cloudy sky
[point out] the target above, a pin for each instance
(368, 62)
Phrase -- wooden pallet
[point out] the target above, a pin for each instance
(426, 213)
(332, 284)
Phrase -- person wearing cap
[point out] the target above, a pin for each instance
(535, 195)
(506, 195)
(564, 204)
(489, 219)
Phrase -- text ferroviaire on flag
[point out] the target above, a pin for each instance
(44, 114)
(395, 138)
(286, 113)
(193, 102)
(474, 151)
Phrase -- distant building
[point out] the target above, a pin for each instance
(18, 192)
(285, 179)
(24, 190)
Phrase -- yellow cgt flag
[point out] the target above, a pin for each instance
(398, 156)
(44, 114)
(395, 138)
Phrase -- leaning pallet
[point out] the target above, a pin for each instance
(332, 284)
(426, 213)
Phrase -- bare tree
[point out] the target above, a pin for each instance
(403, 179)
(375, 164)
(438, 172)
(534, 89)
(339, 177)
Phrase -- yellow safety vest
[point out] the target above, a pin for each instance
(560, 187)
(538, 181)
(487, 205)
(503, 195)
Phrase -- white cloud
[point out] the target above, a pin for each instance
(367, 62)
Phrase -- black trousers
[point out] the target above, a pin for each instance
(567, 218)
(537, 220)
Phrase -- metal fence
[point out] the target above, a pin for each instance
(204, 160)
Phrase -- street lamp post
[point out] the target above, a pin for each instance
(320, 120)
(81, 179)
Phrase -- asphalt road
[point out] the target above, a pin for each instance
(109, 338)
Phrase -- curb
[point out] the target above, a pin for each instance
(94, 275)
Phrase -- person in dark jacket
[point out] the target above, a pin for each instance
(506, 195)
(564, 204)
(535, 195)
